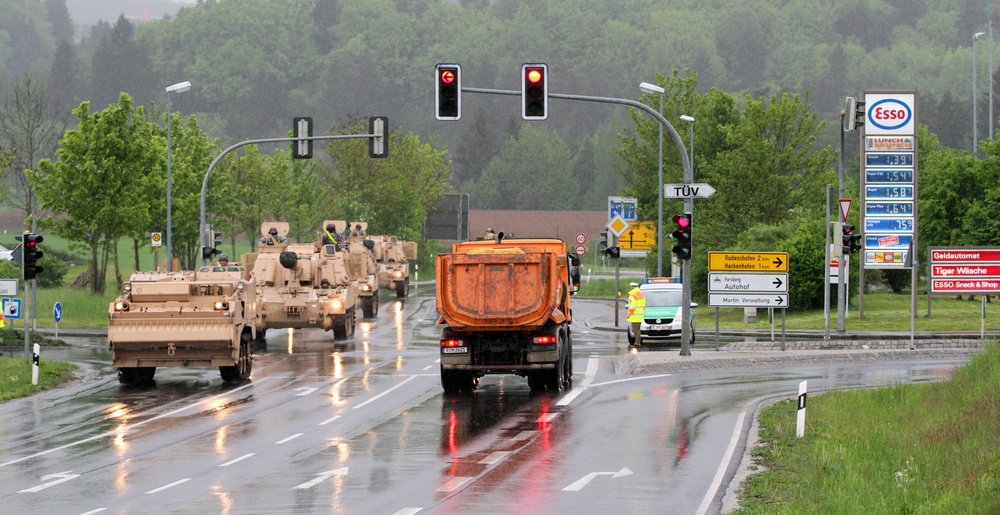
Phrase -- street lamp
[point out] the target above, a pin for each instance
(180, 87)
(975, 142)
(649, 89)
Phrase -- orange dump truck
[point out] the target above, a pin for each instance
(505, 306)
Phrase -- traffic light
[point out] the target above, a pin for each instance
(845, 238)
(378, 146)
(448, 92)
(854, 114)
(213, 240)
(534, 91)
(302, 128)
(31, 254)
(612, 252)
(853, 246)
(682, 235)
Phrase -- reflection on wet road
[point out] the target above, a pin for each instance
(362, 426)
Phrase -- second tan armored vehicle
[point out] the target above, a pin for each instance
(303, 285)
(184, 319)
(393, 257)
(360, 265)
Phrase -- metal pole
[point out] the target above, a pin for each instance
(992, 120)
(169, 186)
(975, 136)
(659, 208)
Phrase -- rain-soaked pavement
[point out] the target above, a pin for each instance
(363, 427)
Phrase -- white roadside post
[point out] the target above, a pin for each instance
(800, 423)
(34, 365)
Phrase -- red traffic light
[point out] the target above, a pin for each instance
(682, 221)
(448, 92)
(447, 76)
(534, 75)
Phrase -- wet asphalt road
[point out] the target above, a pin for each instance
(363, 427)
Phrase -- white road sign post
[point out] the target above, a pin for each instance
(696, 190)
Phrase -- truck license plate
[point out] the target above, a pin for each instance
(454, 350)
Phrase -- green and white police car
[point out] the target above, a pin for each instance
(663, 319)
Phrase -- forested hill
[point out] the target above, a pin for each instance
(257, 63)
(88, 12)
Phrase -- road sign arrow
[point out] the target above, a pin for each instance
(61, 477)
(323, 476)
(777, 282)
(777, 262)
(582, 482)
(696, 190)
(779, 299)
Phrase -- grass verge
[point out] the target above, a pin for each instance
(15, 377)
(924, 448)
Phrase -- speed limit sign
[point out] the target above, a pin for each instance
(157, 240)
(581, 250)
(581, 238)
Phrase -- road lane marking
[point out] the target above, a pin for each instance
(631, 379)
(171, 485)
(387, 392)
(721, 473)
(588, 378)
(322, 476)
(92, 512)
(305, 390)
(237, 460)
(524, 435)
(327, 421)
(133, 426)
(494, 457)
(289, 439)
(453, 484)
(548, 417)
(408, 511)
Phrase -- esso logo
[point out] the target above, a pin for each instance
(889, 114)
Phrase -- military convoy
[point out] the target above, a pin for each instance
(183, 319)
(302, 285)
(210, 317)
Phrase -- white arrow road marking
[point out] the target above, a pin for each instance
(61, 477)
(304, 391)
(322, 476)
(171, 485)
(579, 484)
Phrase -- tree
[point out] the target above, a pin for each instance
(476, 148)
(394, 194)
(98, 186)
(121, 63)
(532, 171)
(30, 127)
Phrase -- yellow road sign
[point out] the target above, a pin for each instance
(638, 236)
(748, 261)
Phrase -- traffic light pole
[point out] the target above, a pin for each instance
(688, 179)
(204, 183)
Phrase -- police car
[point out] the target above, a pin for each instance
(662, 319)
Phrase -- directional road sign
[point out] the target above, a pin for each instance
(8, 287)
(57, 312)
(747, 261)
(696, 190)
(753, 300)
(747, 282)
(638, 236)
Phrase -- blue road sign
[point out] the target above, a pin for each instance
(57, 312)
(12, 308)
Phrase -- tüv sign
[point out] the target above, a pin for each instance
(889, 113)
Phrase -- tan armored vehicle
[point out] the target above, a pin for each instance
(393, 256)
(360, 264)
(184, 319)
(302, 285)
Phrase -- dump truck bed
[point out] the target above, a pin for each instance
(511, 286)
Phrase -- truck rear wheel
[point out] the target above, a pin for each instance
(456, 381)
(136, 375)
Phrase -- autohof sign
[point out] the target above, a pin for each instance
(889, 180)
(965, 270)
(748, 279)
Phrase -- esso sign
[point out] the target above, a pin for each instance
(890, 114)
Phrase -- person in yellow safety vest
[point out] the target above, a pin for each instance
(636, 311)
(3, 319)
